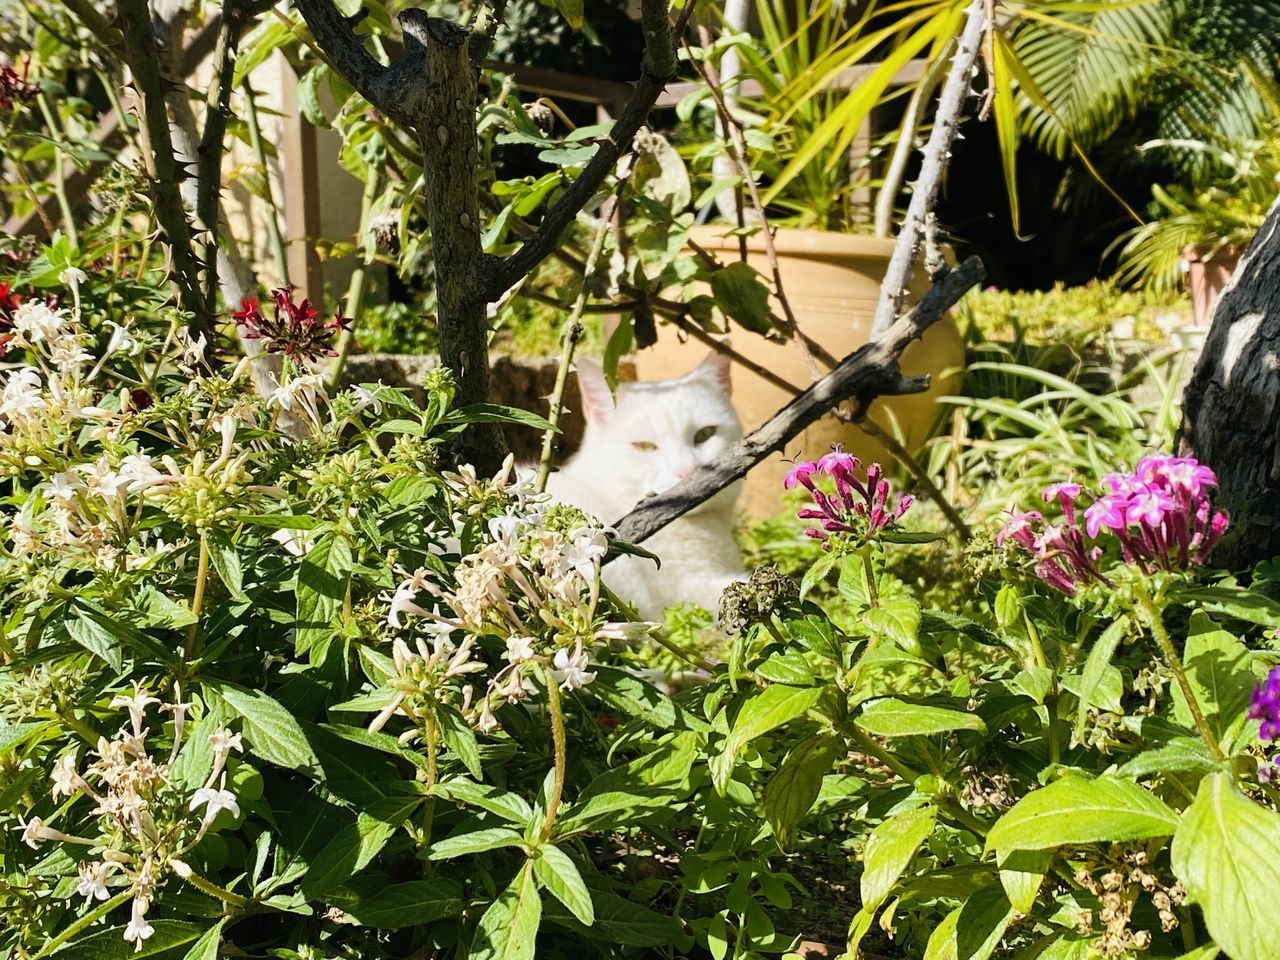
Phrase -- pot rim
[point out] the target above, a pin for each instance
(816, 244)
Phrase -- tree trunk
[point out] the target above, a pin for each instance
(1231, 409)
(447, 135)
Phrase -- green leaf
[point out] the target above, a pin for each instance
(271, 731)
(509, 928)
(110, 944)
(477, 841)
(1226, 852)
(558, 874)
(897, 619)
(460, 738)
(322, 585)
(14, 735)
(105, 635)
(631, 695)
(206, 948)
(225, 562)
(572, 11)
(509, 806)
(398, 905)
(346, 854)
(740, 293)
(308, 93)
(1218, 669)
(942, 942)
(983, 920)
(619, 921)
(1096, 664)
(791, 791)
(1079, 810)
(1247, 605)
(770, 708)
(889, 850)
(897, 718)
(1178, 755)
(1022, 874)
(496, 413)
(789, 667)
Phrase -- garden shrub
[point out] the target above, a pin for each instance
(281, 679)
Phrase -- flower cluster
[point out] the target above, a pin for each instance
(10, 301)
(142, 818)
(1265, 706)
(533, 585)
(860, 507)
(15, 88)
(1160, 515)
(295, 329)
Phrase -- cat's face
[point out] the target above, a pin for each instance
(659, 432)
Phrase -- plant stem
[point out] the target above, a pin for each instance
(59, 175)
(359, 276)
(90, 918)
(220, 893)
(79, 726)
(1051, 699)
(558, 741)
(868, 571)
(197, 599)
(660, 637)
(260, 155)
(569, 342)
(1179, 673)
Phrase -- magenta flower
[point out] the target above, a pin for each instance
(859, 506)
(1160, 514)
(800, 474)
(1265, 706)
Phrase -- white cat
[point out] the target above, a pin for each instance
(657, 434)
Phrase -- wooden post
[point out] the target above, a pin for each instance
(300, 175)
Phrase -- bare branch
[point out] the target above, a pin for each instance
(658, 67)
(394, 90)
(868, 372)
(936, 153)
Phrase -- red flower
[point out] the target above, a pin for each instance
(15, 87)
(295, 329)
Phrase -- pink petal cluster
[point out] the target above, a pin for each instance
(1160, 514)
(858, 506)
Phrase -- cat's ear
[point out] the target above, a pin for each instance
(714, 369)
(597, 398)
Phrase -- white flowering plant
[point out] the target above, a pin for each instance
(268, 661)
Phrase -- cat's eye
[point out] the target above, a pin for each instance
(644, 446)
(703, 435)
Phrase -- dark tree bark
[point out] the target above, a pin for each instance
(1231, 408)
(431, 92)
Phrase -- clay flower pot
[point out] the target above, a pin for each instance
(833, 283)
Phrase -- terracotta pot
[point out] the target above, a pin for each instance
(1207, 277)
(833, 283)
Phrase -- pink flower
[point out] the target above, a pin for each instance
(1108, 512)
(859, 506)
(800, 474)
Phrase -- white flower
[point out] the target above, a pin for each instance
(72, 277)
(192, 348)
(93, 880)
(33, 832)
(136, 703)
(66, 779)
(215, 801)
(139, 472)
(122, 341)
(570, 669)
(366, 399)
(519, 649)
(62, 487)
(486, 722)
(506, 530)
(36, 322)
(138, 929)
(403, 600)
(102, 480)
(585, 550)
(224, 741)
(626, 630)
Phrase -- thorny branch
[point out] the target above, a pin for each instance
(936, 153)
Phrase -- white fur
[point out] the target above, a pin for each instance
(614, 469)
